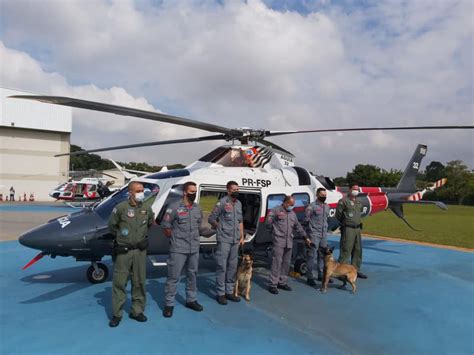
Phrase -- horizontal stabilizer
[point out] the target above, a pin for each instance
(436, 203)
(419, 195)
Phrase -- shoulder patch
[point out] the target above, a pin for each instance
(114, 211)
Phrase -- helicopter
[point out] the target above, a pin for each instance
(85, 189)
(91, 187)
(265, 172)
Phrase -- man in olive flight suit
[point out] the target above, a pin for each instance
(348, 213)
(129, 223)
(283, 223)
(226, 217)
(316, 225)
(182, 223)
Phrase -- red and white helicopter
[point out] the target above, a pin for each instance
(264, 171)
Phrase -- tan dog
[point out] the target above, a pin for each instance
(344, 272)
(244, 277)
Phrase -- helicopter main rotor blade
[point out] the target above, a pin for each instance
(127, 111)
(281, 133)
(149, 144)
(113, 177)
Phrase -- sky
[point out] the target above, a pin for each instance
(278, 65)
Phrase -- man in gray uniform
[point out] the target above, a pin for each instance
(282, 222)
(316, 225)
(182, 223)
(226, 217)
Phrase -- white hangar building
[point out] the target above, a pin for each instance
(31, 133)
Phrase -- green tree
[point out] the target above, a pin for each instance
(390, 178)
(340, 181)
(434, 171)
(86, 162)
(460, 183)
(365, 175)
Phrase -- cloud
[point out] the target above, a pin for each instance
(246, 64)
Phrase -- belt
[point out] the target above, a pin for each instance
(348, 225)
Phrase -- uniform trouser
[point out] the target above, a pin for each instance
(351, 247)
(280, 266)
(131, 264)
(314, 255)
(226, 267)
(176, 262)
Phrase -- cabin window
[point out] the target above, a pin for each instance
(301, 202)
(274, 201)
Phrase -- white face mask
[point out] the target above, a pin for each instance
(354, 192)
(139, 196)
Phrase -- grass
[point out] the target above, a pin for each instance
(454, 227)
(208, 202)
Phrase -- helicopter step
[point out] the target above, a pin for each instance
(158, 260)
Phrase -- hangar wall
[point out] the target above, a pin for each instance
(31, 133)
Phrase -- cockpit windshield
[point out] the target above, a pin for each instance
(248, 157)
(104, 208)
(60, 187)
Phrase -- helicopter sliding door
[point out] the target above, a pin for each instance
(251, 201)
(302, 200)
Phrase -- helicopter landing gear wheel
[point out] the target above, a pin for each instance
(301, 266)
(97, 273)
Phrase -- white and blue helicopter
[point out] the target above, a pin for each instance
(265, 172)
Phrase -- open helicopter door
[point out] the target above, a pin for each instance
(251, 202)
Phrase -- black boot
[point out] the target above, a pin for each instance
(284, 287)
(273, 289)
(139, 317)
(114, 322)
(195, 306)
(221, 300)
(232, 298)
(168, 311)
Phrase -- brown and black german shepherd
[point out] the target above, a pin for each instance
(244, 277)
(344, 272)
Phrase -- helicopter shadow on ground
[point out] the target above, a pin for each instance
(104, 299)
(370, 244)
(73, 277)
(157, 282)
(366, 244)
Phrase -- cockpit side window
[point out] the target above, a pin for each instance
(105, 207)
(215, 155)
(248, 157)
(175, 195)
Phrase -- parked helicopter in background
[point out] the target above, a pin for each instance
(264, 171)
(93, 185)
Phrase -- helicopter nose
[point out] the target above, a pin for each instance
(35, 239)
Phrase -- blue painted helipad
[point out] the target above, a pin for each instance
(12, 207)
(417, 300)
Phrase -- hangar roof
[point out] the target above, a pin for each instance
(33, 115)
